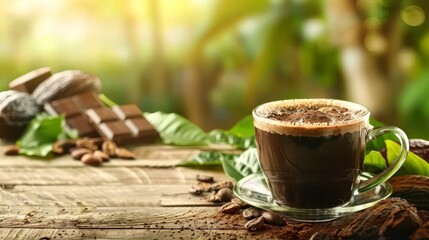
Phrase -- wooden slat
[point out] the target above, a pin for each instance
(102, 175)
(147, 156)
(103, 196)
(159, 222)
(52, 233)
(118, 218)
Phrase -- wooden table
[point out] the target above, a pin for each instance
(144, 198)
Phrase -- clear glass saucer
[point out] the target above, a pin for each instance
(253, 190)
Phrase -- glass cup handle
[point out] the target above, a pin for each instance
(395, 166)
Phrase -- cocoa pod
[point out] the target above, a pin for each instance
(413, 188)
(420, 147)
(29, 81)
(66, 84)
(16, 111)
(392, 218)
(422, 233)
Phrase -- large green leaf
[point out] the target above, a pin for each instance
(41, 133)
(175, 129)
(244, 127)
(246, 164)
(241, 135)
(374, 162)
(378, 143)
(413, 165)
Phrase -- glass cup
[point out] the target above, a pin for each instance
(312, 161)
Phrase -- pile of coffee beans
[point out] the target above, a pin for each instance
(221, 192)
(90, 151)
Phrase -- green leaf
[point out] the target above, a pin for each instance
(244, 127)
(241, 135)
(218, 136)
(374, 162)
(211, 158)
(175, 129)
(246, 164)
(378, 143)
(413, 165)
(41, 133)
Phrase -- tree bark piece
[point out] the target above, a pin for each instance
(413, 188)
(393, 218)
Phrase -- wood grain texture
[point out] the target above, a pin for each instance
(149, 234)
(102, 175)
(102, 196)
(117, 217)
(61, 198)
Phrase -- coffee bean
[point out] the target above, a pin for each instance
(214, 198)
(230, 208)
(320, 236)
(251, 213)
(124, 153)
(205, 187)
(195, 191)
(86, 143)
(101, 155)
(89, 159)
(273, 218)
(78, 153)
(11, 150)
(255, 224)
(109, 148)
(97, 142)
(204, 178)
(225, 194)
(239, 202)
(220, 185)
(66, 145)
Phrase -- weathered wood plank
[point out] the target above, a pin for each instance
(52, 233)
(118, 218)
(160, 222)
(147, 156)
(102, 196)
(102, 176)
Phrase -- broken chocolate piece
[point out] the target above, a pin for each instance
(73, 109)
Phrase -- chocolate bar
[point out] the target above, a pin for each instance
(122, 124)
(73, 108)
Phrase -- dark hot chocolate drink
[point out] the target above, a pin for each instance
(311, 151)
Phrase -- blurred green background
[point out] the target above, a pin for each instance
(213, 61)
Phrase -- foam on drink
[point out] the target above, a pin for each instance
(310, 117)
